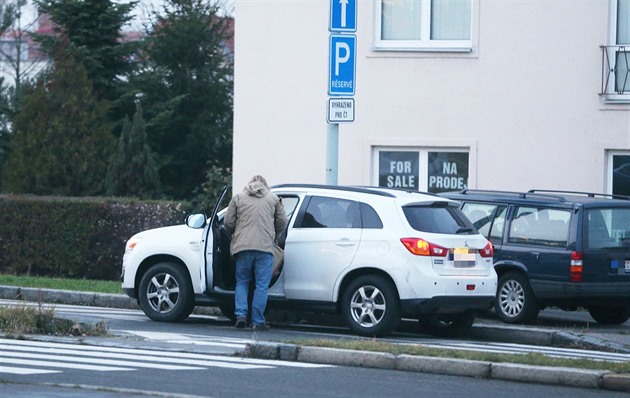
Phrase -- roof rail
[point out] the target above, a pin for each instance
(373, 191)
(407, 190)
(520, 195)
(589, 194)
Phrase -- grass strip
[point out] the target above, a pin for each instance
(82, 285)
(532, 358)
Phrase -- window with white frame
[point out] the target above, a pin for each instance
(616, 56)
(622, 80)
(423, 25)
(425, 169)
(619, 173)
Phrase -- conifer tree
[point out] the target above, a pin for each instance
(133, 170)
(61, 143)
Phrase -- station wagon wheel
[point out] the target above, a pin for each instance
(370, 306)
(515, 301)
(166, 293)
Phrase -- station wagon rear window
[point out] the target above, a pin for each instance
(607, 228)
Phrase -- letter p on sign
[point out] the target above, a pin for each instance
(341, 48)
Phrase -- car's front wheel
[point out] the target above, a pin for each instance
(448, 325)
(515, 301)
(610, 315)
(166, 293)
(370, 306)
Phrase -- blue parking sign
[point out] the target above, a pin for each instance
(341, 70)
(343, 16)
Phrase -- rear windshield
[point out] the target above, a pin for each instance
(607, 228)
(439, 218)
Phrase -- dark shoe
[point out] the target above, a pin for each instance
(241, 322)
(261, 328)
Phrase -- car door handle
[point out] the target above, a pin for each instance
(345, 242)
(536, 254)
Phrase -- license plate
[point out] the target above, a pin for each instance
(628, 266)
(463, 257)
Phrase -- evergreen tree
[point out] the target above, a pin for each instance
(185, 82)
(94, 27)
(133, 169)
(61, 142)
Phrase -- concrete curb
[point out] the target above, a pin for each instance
(582, 378)
(68, 297)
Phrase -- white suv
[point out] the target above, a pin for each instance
(372, 254)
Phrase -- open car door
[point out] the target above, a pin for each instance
(212, 239)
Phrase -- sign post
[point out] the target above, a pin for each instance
(341, 78)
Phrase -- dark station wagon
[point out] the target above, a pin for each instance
(555, 249)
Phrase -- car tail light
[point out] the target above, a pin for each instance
(575, 270)
(487, 251)
(421, 247)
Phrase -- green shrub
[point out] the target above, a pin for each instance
(75, 237)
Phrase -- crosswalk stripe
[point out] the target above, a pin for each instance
(96, 360)
(14, 370)
(169, 355)
(67, 365)
(130, 359)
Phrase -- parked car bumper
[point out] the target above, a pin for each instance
(583, 293)
(445, 304)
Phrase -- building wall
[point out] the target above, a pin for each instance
(524, 103)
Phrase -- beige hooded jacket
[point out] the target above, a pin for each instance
(255, 217)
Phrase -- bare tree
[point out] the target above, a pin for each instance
(20, 58)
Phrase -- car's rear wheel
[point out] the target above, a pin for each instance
(610, 315)
(515, 301)
(370, 306)
(166, 293)
(448, 325)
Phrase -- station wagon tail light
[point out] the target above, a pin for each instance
(487, 251)
(421, 247)
(575, 270)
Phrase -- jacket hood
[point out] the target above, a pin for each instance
(257, 189)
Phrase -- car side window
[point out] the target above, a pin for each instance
(547, 227)
(481, 215)
(289, 203)
(370, 218)
(498, 224)
(325, 212)
(488, 218)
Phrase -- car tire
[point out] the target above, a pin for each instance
(515, 301)
(166, 293)
(610, 315)
(448, 325)
(370, 306)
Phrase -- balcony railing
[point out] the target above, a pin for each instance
(615, 73)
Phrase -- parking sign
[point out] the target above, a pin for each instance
(342, 65)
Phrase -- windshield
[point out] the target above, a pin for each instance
(439, 218)
(607, 228)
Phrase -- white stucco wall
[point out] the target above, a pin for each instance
(524, 103)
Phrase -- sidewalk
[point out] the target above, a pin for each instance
(483, 330)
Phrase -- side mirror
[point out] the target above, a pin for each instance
(196, 221)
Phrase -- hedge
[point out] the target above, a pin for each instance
(75, 237)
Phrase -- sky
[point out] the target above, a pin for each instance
(141, 11)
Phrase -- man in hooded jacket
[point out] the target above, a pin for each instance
(254, 218)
